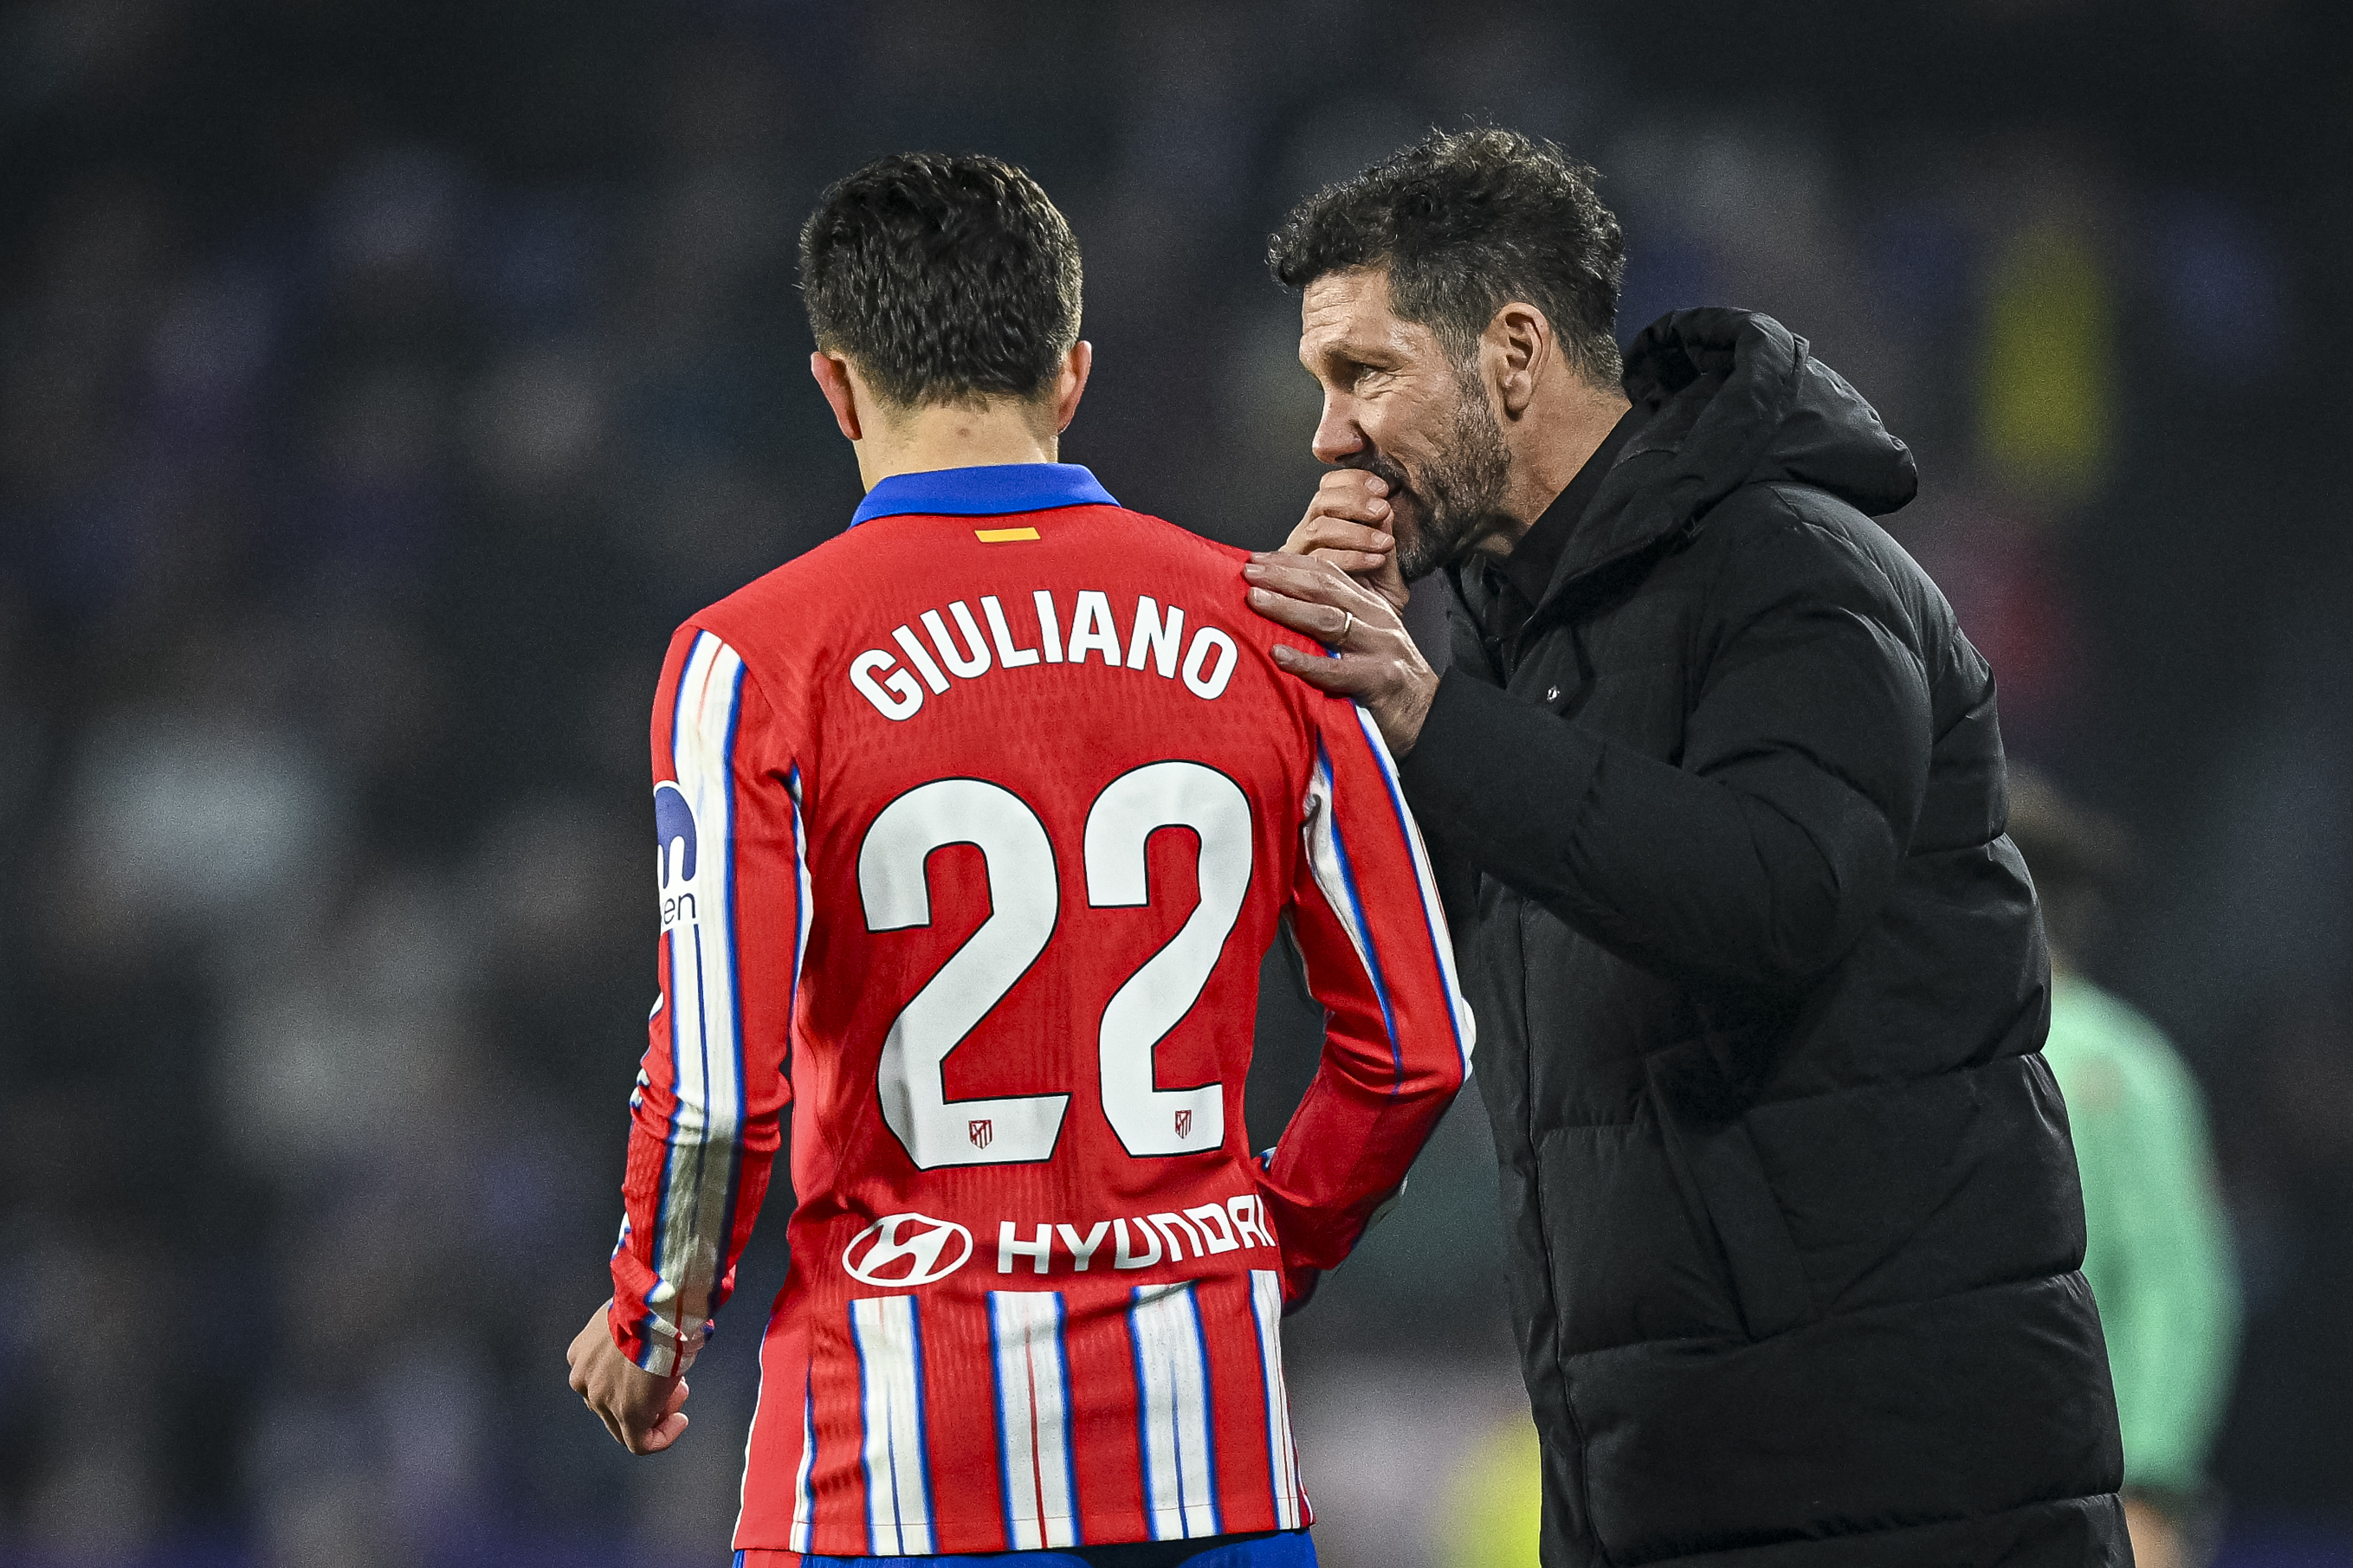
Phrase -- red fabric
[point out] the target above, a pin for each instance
(812, 1030)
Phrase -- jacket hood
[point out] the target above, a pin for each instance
(1737, 399)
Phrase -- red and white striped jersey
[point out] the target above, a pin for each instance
(975, 824)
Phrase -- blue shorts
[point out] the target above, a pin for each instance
(1285, 1549)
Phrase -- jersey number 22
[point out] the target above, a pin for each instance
(1025, 900)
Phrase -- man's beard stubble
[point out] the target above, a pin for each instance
(1460, 490)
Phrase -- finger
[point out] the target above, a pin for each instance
(1351, 481)
(1367, 554)
(1356, 512)
(1350, 507)
(1297, 577)
(1343, 676)
(653, 1431)
(1317, 530)
(642, 1400)
(663, 1433)
(1353, 496)
(1336, 533)
(1325, 623)
(1315, 582)
(1352, 561)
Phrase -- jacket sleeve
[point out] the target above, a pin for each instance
(1757, 858)
(1398, 1035)
(706, 1115)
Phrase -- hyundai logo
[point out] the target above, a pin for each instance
(916, 1239)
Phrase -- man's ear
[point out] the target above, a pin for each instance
(832, 375)
(1070, 383)
(1519, 348)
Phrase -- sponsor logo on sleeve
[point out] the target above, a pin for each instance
(676, 852)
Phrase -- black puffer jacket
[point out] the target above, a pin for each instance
(1794, 1220)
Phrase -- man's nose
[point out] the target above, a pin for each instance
(1338, 437)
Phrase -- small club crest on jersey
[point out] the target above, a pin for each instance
(1184, 1124)
(981, 1131)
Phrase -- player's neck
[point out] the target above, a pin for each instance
(997, 431)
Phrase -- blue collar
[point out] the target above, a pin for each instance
(987, 491)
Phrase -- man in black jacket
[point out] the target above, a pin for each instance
(1715, 790)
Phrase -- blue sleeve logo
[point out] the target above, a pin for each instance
(675, 853)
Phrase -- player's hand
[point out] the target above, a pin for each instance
(1377, 664)
(645, 1413)
(1350, 524)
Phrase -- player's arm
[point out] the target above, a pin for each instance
(1398, 1036)
(706, 1116)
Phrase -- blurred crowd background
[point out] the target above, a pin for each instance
(379, 385)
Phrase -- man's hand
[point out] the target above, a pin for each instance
(1378, 663)
(1350, 524)
(645, 1413)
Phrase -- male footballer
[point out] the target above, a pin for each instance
(975, 824)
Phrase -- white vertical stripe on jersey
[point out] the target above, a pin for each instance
(1033, 1419)
(751, 1436)
(803, 1495)
(706, 1026)
(803, 898)
(890, 1411)
(1172, 1386)
(1433, 913)
(1321, 835)
(1282, 1457)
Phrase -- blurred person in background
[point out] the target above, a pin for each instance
(2157, 1251)
(1714, 785)
(1035, 1294)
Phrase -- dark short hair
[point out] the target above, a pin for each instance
(1465, 222)
(944, 279)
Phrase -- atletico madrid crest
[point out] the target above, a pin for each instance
(981, 1131)
(1184, 1124)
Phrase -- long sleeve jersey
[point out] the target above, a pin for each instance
(975, 824)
